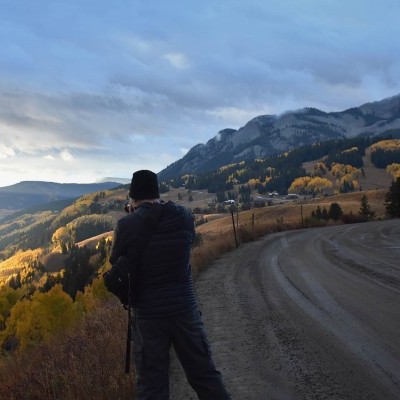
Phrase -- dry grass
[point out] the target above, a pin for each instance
(375, 178)
(291, 213)
(93, 241)
(208, 252)
(54, 261)
(217, 243)
(84, 363)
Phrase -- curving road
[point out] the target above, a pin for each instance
(310, 314)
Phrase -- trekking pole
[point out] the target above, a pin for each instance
(128, 342)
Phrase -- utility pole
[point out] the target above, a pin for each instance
(232, 209)
(302, 220)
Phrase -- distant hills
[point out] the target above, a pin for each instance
(268, 135)
(28, 194)
(122, 181)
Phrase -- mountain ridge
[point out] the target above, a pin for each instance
(267, 135)
(26, 194)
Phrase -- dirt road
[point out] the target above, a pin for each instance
(311, 314)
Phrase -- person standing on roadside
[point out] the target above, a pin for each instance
(166, 311)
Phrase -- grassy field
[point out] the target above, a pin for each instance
(291, 212)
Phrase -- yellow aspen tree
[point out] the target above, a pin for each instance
(32, 321)
(391, 144)
(92, 296)
(336, 169)
(394, 170)
(253, 182)
(61, 235)
(8, 298)
(319, 185)
(352, 150)
(346, 178)
(299, 184)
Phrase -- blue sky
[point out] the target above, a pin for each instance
(92, 89)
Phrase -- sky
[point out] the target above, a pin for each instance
(93, 88)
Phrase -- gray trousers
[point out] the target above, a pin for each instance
(152, 339)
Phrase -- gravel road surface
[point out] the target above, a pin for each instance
(310, 314)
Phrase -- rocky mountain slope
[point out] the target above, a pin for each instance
(267, 135)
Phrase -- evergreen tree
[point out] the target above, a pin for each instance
(15, 281)
(51, 281)
(392, 200)
(79, 271)
(221, 197)
(347, 187)
(64, 249)
(365, 208)
(102, 248)
(335, 211)
(95, 208)
(325, 214)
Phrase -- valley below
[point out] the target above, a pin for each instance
(308, 314)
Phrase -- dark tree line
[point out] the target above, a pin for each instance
(381, 158)
(392, 200)
(78, 271)
(90, 225)
(353, 158)
(334, 213)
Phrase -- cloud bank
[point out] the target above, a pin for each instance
(89, 89)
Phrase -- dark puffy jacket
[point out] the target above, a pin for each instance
(165, 286)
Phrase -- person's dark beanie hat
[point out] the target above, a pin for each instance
(144, 185)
